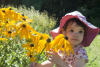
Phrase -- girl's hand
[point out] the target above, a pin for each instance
(54, 57)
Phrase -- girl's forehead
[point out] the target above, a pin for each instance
(74, 25)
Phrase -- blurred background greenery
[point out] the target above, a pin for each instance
(58, 8)
(46, 15)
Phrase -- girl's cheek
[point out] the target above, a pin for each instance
(69, 36)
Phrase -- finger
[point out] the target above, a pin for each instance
(50, 59)
(50, 56)
(51, 53)
(55, 53)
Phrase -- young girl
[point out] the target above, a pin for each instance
(80, 34)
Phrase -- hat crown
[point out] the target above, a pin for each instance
(81, 17)
(77, 13)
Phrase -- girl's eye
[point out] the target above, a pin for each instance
(80, 31)
(71, 30)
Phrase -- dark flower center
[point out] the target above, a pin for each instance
(24, 25)
(66, 37)
(10, 8)
(62, 46)
(6, 21)
(22, 14)
(30, 56)
(24, 19)
(9, 32)
(41, 38)
(31, 45)
(48, 40)
(3, 11)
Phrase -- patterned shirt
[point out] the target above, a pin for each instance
(79, 52)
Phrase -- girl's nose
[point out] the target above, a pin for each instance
(75, 34)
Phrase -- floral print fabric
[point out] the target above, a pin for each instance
(79, 53)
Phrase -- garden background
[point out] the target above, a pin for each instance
(46, 15)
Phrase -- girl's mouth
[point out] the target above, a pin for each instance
(75, 39)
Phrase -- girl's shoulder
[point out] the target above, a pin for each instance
(80, 52)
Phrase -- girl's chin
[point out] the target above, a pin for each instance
(74, 45)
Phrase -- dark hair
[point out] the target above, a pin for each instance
(74, 20)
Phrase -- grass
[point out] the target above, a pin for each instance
(93, 52)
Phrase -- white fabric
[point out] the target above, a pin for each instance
(56, 30)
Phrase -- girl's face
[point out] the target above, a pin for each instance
(75, 33)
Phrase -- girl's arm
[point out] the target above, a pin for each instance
(62, 64)
(47, 63)
(44, 64)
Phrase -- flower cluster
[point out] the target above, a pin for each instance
(14, 24)
(11, 23)
(61, 43)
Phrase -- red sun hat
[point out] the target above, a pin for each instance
(90, 32)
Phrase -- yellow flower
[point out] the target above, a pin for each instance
(48, 47)
(1, 15)
(30, 46)
(3, 39)
(25, 18)
(24, 30)
(10, 24)
(1, 26)
(57, 39)
(9, 34)
(37, 45)
(32, 57)
(41, 46)
(61, 43)
(44, 36)
(42, 40)
(10, 14)
(9, 30)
